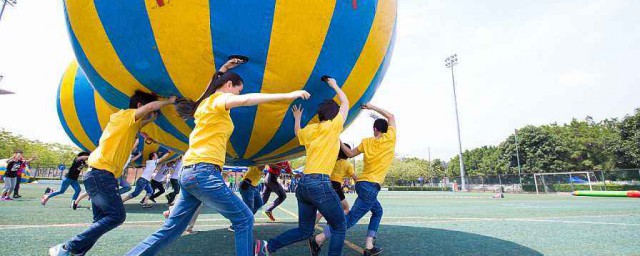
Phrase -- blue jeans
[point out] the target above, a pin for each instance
(124, 185)
(108, 210)
(315, 193)
(142, 184)
(251, 197)
(367, 201)
(202, 183)
(66, 182)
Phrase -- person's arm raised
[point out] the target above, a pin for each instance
(297, 116)
(390, 118)
(253, 99)
(344, 101)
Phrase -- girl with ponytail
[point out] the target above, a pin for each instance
(201, 177)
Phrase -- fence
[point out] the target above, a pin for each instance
(623, 179)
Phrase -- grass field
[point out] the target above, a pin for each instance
(414, 223)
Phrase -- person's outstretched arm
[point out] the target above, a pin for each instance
(349, 152)
(164, 157)
(252, 99)
(153, 106)
(390, 118)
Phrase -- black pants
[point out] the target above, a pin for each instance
(272, 185)
(157, 186)
(17, 188)
(176, 190)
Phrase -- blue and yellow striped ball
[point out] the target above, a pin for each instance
(174, 47)
(84, 114)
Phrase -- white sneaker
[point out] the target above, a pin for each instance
(58, 250)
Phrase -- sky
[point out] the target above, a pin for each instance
(520, 63)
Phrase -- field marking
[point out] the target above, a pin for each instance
(424, 219)
(346, 242)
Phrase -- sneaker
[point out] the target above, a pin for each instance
(261, 248)
(166, 214)
(8, 199)
(43, 200)
(270, 215)
(230, 228)
(314, 247)
(17, 196)
(58, 250)
(373, 251)
(47, 190)
(147, 205)
(74, 205)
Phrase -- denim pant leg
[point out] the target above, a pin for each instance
(213, 192)
(257, 200)
(109, 211)
(306, 222)
(63, 188)
(181, 214)
(364, 202)
(124, 185)
(141, 184)
(247, 198)
(76, 189)
(329, 206)
(376, 217)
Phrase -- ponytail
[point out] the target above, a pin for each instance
(186, 108)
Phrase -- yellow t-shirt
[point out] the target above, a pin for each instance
(208, 140)
(116, 142)
(378, 155)
(322, 142)
(342, 170)
(253, 174)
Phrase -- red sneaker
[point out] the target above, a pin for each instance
(270, 215)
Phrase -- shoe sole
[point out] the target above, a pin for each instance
(377, 253)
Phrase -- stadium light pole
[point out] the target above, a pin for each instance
(518, 158)
(4, 4)
(449, 63)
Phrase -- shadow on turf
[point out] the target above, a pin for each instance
(396, 240)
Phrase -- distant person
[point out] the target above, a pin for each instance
(23, 169)
(378, 156)
(157, 182)
(143, 183)
(71, 179)
(173, 179)
(106, 163)
(272, 185)
(10, 175)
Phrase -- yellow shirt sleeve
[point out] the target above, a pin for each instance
(350, 170)
(303, 135)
